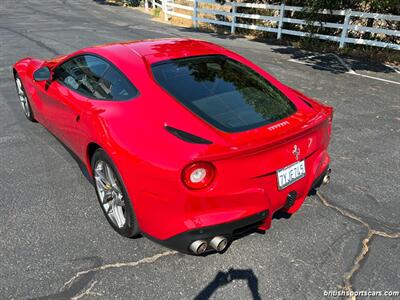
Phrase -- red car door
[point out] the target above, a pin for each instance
(63, 109)
(66, 97)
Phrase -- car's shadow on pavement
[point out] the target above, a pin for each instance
(225, 278)
(81, 166)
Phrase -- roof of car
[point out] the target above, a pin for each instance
(165, 49)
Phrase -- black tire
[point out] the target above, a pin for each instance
(131, 226)
(29, 113)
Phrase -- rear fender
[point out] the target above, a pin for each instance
(314, 103)
(318, 106)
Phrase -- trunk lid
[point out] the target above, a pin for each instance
(270, 148)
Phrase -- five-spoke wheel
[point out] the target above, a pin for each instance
(23, 99)
(112, 195)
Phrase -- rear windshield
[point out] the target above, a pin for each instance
(224, 92)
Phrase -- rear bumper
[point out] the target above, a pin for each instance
(230, 230)
(167, 211)
(233, 229)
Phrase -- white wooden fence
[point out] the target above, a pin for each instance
(279, 18)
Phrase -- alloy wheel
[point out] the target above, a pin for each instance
(22, 97)
(110, 193)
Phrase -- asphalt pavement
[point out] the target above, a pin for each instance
(55, 242)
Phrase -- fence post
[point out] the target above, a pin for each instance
(153, 5)
(146, 5)
(233, 14)
(280, 23)
(195, 22)
(345, 28)
(164, 8)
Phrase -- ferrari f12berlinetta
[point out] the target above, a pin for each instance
(188, 143)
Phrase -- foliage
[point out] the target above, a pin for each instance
(376, 6)
(157, 12)
(132, 3)
(312, 15)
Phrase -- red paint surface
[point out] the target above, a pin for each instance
(150, 159)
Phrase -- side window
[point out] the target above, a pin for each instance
(95, 78)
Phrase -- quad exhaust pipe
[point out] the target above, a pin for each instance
(198, 247)
(327, 177)
(218, 243)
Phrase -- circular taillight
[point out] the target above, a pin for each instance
(198, 175)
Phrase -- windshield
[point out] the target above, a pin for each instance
(224, 92)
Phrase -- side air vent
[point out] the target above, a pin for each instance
(187, 137)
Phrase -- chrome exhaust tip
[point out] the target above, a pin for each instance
(327, 177)
(198, 247)
(219, 243)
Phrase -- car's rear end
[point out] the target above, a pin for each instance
(247, 187)
(270, 153)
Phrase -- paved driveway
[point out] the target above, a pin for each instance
(55, 242)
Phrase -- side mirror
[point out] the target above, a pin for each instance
(42, 74)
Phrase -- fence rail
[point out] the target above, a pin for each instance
(279, 18)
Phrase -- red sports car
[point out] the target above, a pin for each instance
(188, 143)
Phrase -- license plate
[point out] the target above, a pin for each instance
(291, 174)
